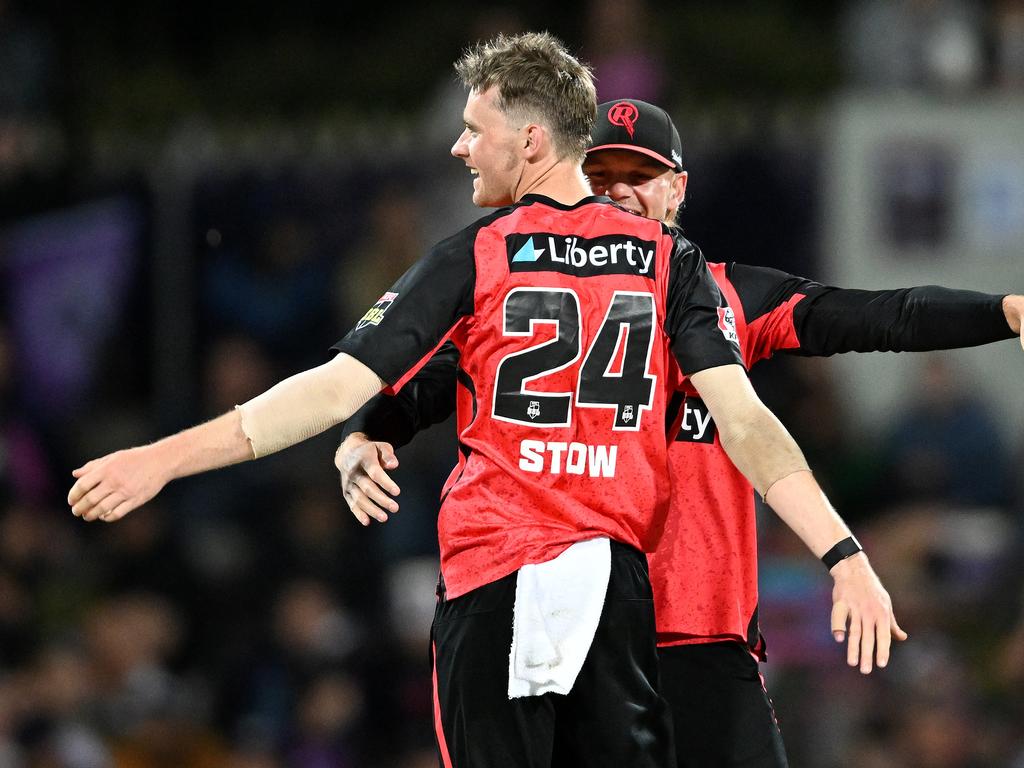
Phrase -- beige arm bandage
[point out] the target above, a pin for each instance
(307, 403)
(755, 440)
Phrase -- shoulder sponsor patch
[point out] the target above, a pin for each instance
(582, 257)
(376, 312)
(727, 324)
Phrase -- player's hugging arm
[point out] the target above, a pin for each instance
(428, 399)
(387, 422)
(790, 312)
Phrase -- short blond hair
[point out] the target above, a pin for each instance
(537, 80)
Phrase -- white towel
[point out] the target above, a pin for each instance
(558, 606)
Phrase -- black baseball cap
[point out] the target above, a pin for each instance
(640, 127)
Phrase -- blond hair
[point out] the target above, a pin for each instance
(537, 80)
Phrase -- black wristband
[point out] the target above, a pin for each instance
(841, 551)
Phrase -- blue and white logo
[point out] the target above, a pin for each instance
(528, 252)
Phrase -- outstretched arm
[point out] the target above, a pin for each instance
(293, 410)
(764, 451)
(367, 451)
(786, 312)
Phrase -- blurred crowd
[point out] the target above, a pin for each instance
(245, 620)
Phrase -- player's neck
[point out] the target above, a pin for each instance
(563, 181)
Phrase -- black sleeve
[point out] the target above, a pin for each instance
(835, 320)
(409, 322)
(763, 290)
(698, 319)
(428, 399)
(829, 320)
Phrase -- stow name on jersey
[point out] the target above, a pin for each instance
(579, 256)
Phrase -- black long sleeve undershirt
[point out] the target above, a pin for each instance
(427, 399)
(832, 320)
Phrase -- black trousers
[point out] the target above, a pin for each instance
(721, 712)
(614, 715)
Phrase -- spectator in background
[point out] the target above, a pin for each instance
(946, 444)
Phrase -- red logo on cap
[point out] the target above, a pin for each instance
(624, 114)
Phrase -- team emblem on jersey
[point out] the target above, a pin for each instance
(727, 324)
(627, 413)
(533, 410)
(376, 312)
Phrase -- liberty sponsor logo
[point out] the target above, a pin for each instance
(376, 312)
(727, 325)
(580, 256)
(559, 458)
(696, 426)
(624, 114)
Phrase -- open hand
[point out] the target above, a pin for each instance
(862, 607)
(366, 485)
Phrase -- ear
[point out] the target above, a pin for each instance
(678, 190)
(534, 139)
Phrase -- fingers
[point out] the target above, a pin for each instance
(867, 644)
(853, 642)
(840, 613)
(363, 507)
(366, 486)
(82, 486)
(84, 469)
(357, 512)
(117, 512)
(896, 629)
(388, 457)
(381, 480)
(884, 642)
(870, 638)
(372, 491)
(86, 505)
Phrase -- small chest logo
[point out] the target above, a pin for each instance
(376, 312)
(727, 324)
(624, 114)
(533, 410)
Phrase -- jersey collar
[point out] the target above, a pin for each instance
(532, 198)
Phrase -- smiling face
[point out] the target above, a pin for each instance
(636, 182)
(492, 149)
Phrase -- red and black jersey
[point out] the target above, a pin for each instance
(705, 568)
(704, 572)
(568, 321)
